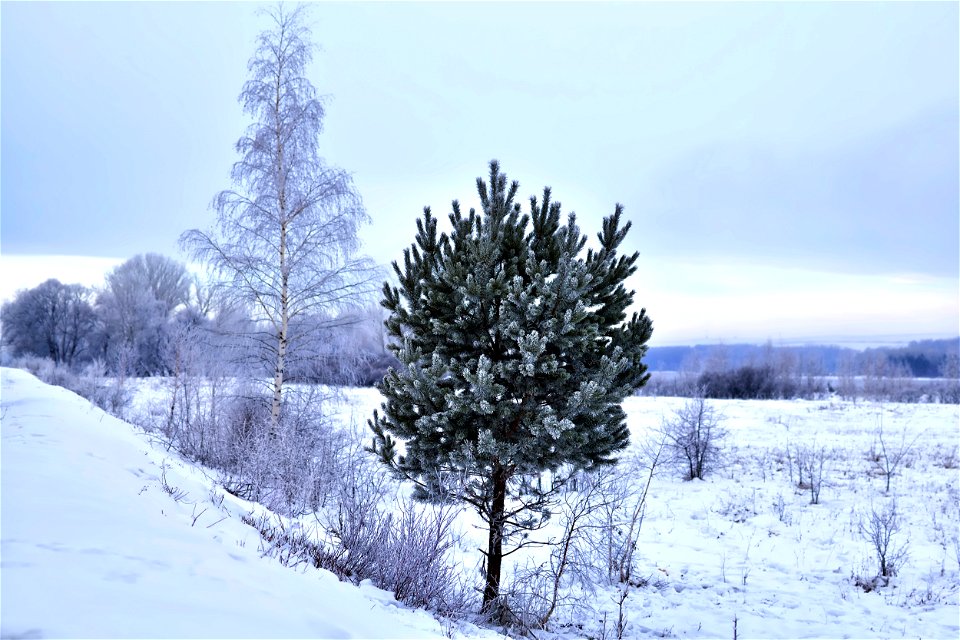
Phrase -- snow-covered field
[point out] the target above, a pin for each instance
(93, 545)
(747, 543)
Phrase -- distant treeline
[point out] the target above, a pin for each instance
(150, 315)
(919, 359)
(923, 371)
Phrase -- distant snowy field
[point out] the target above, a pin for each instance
(93, 546)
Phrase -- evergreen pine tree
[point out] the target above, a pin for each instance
(516, 355)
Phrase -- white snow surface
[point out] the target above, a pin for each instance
(92, 546)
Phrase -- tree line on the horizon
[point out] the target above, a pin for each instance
(129, 324)
(134, 324)
(919, 359)
(749, 372)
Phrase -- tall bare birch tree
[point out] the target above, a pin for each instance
(285, 241)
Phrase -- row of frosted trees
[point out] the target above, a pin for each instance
(135, 323)
(126, 323)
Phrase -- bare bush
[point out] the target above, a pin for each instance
(890, 456)
(780, 508)
(746, 383)
(810, 463)
(693, 437)
(355, 517)
(949, 458)
(362, 534)
(534, 594)
(620, 516)
(420, 572)
(880, 528)
(290, 466)
(226, 425)
(615, 522)
(602, 513)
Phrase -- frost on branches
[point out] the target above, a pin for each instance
(285, 245)
(516, 353)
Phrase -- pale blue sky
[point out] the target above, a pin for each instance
(791, 169)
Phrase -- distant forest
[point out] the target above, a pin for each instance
(920, 359)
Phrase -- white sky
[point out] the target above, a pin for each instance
(790, 168)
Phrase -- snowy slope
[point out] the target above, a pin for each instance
(93, 546)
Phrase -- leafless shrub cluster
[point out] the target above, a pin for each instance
(670, 384)
(407, 551)
(889, 456)
(602, 520)
(880, 528)
(950, 458)
(224, 421)
(810, 464)
(694, 437)
(291, 467)
(756, 383)
(738, 506)
(305, 463)
(535, 592)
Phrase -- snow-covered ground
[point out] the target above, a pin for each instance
(93, 545)
(747, 543)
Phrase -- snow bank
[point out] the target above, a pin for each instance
(94, 546)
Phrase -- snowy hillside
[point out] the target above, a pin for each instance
(94, 546)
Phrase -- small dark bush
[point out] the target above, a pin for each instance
(745, 383)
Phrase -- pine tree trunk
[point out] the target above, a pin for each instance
(495, 542)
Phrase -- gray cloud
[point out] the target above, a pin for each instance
(886, 203)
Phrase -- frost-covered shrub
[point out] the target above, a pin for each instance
(91, 383)
(780, 508)
(889, 455)
(364, 534)
(290, 467)
(949, 458)
(693, 437)
(402, 546)
(600, 517)
(810, 463)
(738, 506)
(943, 391)
(44, 369)
(107, 392)
(418, 568)
(880, 528)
